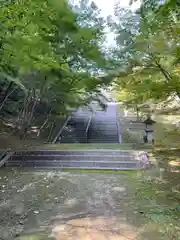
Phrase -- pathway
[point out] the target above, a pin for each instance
(67, 206)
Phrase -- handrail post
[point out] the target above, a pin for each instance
(87, 128)
(60, 131)
(6, 158)
(118, 129)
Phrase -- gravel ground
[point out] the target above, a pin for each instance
(42, 205)
(31, 201)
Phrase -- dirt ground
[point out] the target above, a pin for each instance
(42, 205)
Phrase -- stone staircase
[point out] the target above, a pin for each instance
(80, 159)
(103, 131)
(75, 131)
(103, 128)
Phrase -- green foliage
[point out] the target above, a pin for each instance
(50, 50)
(148, 51)
(153, 200)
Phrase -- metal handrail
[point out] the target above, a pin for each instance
(118, 131)
(6, 158)
(87, 128)
(60, 131)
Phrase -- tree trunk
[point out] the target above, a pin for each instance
(44, 123)
(23, 110)
(50, 132)
(166, 74)
(29, 120)
(5, 98)
(25, 113)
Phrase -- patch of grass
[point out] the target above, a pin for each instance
(154, 199)
(87, 146)
(96, 146)
(102, 171)
(166, 156)
(166, 135)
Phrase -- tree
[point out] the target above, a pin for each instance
(148, 49)
(51, 52)
(160, 41)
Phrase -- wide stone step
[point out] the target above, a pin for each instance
(104, 128)
(71, 140)
(103, 152)
(102, 136)
(105, 133)
(90, 140)
(107, 125)
(104, 140)
(98, 157)
(76, 164)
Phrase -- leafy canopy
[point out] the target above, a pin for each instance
(52, 47)
(147, 50)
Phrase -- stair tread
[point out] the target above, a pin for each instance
(76, 155)
(95, 168)
(71, 161)
(80, 151)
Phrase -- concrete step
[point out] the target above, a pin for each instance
(73, 139)
(106, 125)
(77, 125)
(103, 140)
(100, 158)
(90, 140)
(94, 136)
(76, 164)
(103, 127)
(81, 159)
(102, 152)
(68, 140)
(100, 135)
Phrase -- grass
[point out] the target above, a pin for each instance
(167, 145)
(96, 146)
(167, 135)
(86, 146)
(101, 171)
(157, 194)
(155, 199)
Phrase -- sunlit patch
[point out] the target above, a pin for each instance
(119, 189)
(175, 170)
(70, 202)
(9, 124)
(174, 166)
(112, 103)
(34, 127)
(174, 163)
(99, 228)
